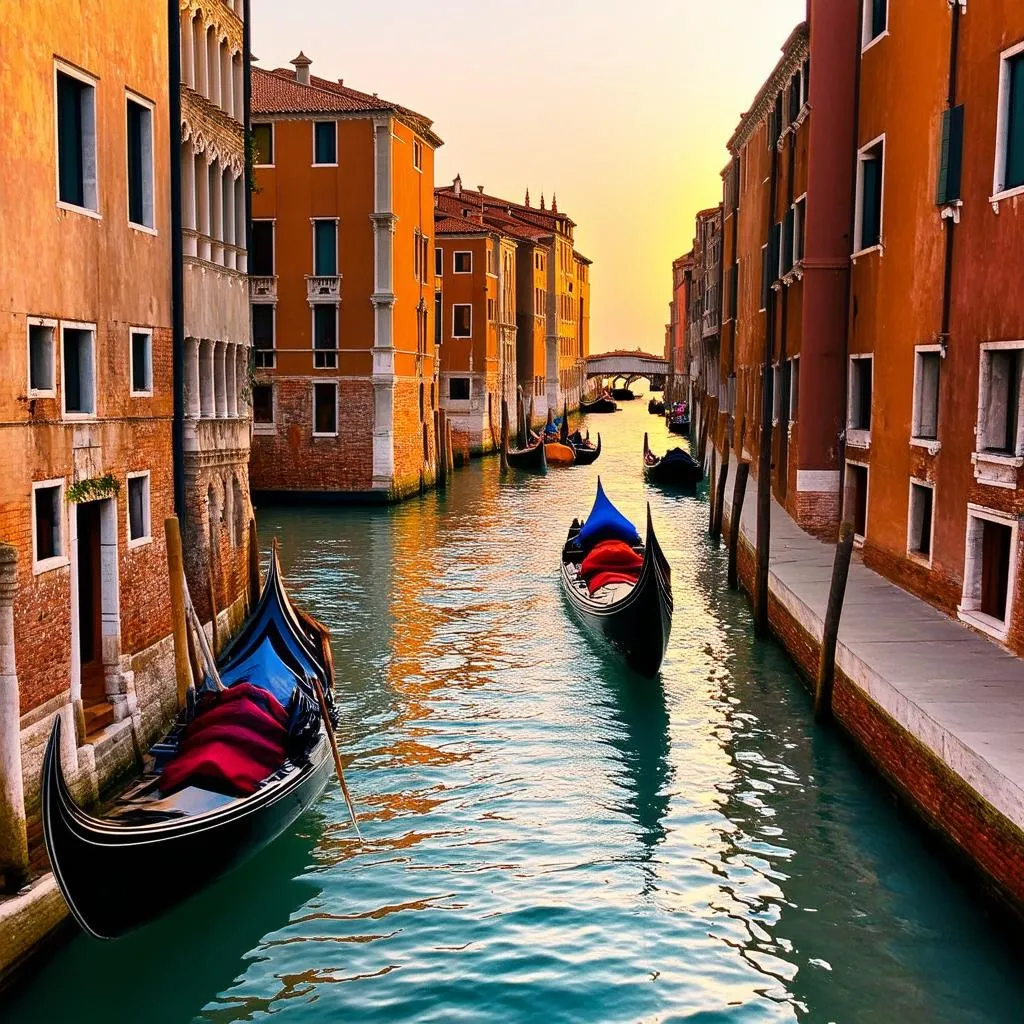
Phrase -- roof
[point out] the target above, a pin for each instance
(450, 224)
(583, 259)
(278, 92)
(533, 214)
(495, 219)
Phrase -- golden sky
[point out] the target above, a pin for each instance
(623, 109)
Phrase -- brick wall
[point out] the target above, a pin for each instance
(412, 469)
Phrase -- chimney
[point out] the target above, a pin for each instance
(480, 189)
(457, 185)
(526, 202)
(554, 202)
(301, 65)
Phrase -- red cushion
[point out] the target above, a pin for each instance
(610, 556)
(602, 579)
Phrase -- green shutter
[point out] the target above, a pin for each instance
(951, 155)
(326, 249)
(326, 150)
(1015, 125)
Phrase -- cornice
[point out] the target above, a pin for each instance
(212, 132)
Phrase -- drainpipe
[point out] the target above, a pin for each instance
(177, 266)
(950, 222)
(247, 125)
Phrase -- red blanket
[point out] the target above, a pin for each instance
(602, 579)
(611, 556)
(235, 742)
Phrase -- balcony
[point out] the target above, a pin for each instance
(263, 289)
(323, 289)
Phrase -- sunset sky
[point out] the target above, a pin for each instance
(623, 109)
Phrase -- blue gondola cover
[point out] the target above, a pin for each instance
(606, 522)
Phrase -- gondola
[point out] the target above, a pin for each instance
(676, 467)
(620, 587)
(679, 424)
(586, 451)
(160, 843)
(600, 404)
(622, 394)
(656, 408)
(532, 458)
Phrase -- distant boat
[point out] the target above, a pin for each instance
(656, 408)
(620, 587)
(600, 404)
(623, 394)
(532, 458)
(678, 422)
(675, 468)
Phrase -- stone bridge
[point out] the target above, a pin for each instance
(628, 366)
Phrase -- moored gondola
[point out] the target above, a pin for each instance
(676, 467)
(619, 586)
(586, 451)
(532, 458)
(600, 404)
(241, 764)
(656, 408)
(623, 394)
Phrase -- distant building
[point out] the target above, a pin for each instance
(677, 387)
(343, 290)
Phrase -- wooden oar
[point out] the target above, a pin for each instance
(325, 715)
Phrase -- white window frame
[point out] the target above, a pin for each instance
(132, 331)
(858, 538)
(438, 259)
(312, 395)
(999, 189)
(917, 556)
(94, 182)
(776, 392)
(336, 351)
(273, 349)
(983, 381)
(969, 609)
(273, 142)
(794, 375)
(469, 306)
(858, 249)
(458, 376)
(932, 444)
(760, 284)
(865, 42)
(73, 325)
(315, 162)
(39, 321)
(57, 561)
(858, 437)
(271, 427)
(136, 542)
(799, 227)
(313, 221)
(417, 151)
(455, 257)
(148, 201)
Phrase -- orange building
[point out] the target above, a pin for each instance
(342, 286)
(934, 424)
(677, 387)
(86, 399)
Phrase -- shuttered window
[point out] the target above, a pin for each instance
(325, 248)
(325, 142)
(1014, 177)
(869, 173)
(951, 155)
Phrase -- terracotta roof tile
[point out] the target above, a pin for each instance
(450, 224)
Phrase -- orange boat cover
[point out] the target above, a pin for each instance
(559, 454)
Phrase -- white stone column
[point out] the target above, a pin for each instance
(226, 83)
(236, 68)
(203, 205)
(13, 834)
(188, 199)
(220, 387)
(231, 379)
(199, 54)
(242, 369)
(206, 386)
(188, 58)
(227, 191)
(242, 259)
(193, 403)
(212, 67)
(114, 683)
(216, 194)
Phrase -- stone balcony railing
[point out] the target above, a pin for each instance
(323, 289)
(263, 289)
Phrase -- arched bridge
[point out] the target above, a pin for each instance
(628, 366)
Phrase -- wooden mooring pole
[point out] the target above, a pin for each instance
(739, 490)
(830, 630)
(254, 565)
(442, 454)
(449, 445)
(214, 629)
(176, 580)
(716, 522)
(711, 493)
(503, 450)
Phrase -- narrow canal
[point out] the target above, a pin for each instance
(547, 838)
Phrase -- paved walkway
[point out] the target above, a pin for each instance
(958, 693)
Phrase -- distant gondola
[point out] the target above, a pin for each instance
(623, 394)
(532, 458)
(679, 424)
(600, 404)
(676, 468)
(656, 408)
(586, 451)
(225, 781)
(620, 588)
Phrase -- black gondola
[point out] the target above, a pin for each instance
(634, 615)
(600, 404)
(656, 408)
(149, 851)
(586, 451)
(676, 467)
(679, 424)
(622, 394)
(532, 458)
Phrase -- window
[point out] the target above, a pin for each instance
(325, 248)
(776, 396)
(140, 162)
(928, 362)
(41, 379)
(325, 336)
(438, 262)
(48, 525)
(76, 141)
(438, 318)
(794, 388)
(417, 154)
(870, 174)
(263, 144)
(263, 404)
(765, 282)
(492, 263)
(264, 357)
(795, 96)
(261, 249)
(325, 409)
(989, 570)
(325, 142)
(919, 525)
(458, 389)
(999, 401)
(876, 18)
(79, 370)
(462, 321)
(857, 498)
(463, 262)
(491, 310)
(799, 228)
(951, 156)
(1010, 131)
(859, 416)
(138, 508)
(142, 362)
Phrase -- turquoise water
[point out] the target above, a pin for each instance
(548, 838)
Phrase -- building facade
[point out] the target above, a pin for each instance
(217, 388)
(87, 402)
(678, 384)
(343, 291)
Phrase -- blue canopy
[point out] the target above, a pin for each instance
(606, 522)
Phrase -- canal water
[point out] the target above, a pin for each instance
(546, 837)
